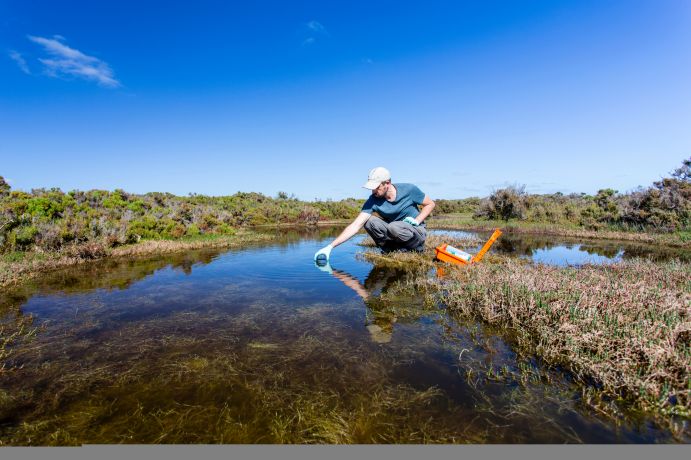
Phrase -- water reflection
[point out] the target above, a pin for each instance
(380, 319)
(106, 275)
(555, 250)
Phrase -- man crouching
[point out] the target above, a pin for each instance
(390, 216)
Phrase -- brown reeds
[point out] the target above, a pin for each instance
(625, 327)
(622, 329)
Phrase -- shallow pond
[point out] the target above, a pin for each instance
(260, 346)
(556, 250)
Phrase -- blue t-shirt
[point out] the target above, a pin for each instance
(408, 196)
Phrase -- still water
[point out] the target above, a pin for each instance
(260, 346)
(563, 251)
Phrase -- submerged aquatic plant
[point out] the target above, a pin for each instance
(14, 331)
(214, 378)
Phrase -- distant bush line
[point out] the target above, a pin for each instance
(49, 219)
(663, 207)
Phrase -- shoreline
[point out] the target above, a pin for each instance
(34, 263)
(668, 240)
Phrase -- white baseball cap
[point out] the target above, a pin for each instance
(376, 177)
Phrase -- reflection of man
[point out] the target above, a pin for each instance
(352, 282)
(381, 327)
(398, 224)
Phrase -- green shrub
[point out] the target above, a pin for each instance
(143, 228)
(170, 229)
(208, 221)
(507, 203)
(24, 236)
(114, 200)
(137, 206)
(4, 188)
(43, 207)
(464, 206)
(224, 229)
(665, 206)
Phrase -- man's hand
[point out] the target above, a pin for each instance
(323, 254)
(411, 221)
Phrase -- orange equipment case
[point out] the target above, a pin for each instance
(444, 255)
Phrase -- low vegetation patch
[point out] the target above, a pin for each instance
(625, 326)
(623, 329)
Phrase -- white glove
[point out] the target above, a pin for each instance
(326, 251)
(411, 221)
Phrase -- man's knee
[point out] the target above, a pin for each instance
(369, 225)
(377, 229)
(375, 224)
(400, 231)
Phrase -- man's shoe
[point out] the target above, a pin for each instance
(419, 248)
(387, 248)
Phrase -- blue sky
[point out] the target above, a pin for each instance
(459, 97)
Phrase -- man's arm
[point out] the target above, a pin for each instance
(352, 282)
(427, 206)
(345, 235)
(351, 229)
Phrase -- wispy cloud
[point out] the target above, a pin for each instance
(314, 29)
(19, 59)
(65, 61)
(317, 26)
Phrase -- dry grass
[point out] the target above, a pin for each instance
(412, 260)
(625, 327)
(242, 238)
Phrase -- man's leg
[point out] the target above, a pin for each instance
(407, 236)
(379, 231)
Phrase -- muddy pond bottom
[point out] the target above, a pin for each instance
(260, 346)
